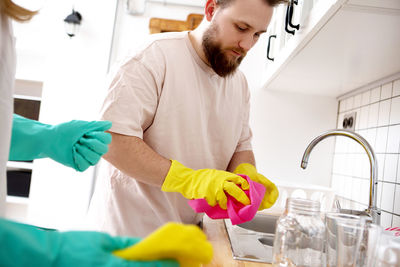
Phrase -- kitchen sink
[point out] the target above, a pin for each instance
(261, 223)
(253, 240)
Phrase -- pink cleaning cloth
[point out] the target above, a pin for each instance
(236, 211)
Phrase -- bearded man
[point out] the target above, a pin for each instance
(180, 115)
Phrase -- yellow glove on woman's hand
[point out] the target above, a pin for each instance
(185, 243)
(271, 192)
(209, 184)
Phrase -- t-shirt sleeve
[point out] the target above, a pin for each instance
(246, 135)
(133, 95)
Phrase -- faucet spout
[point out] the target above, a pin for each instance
(372, 210)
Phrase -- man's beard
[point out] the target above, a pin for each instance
(216, 56)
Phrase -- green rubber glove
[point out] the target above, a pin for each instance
(25, 245)
(271, 192)
(209, 184)
(76, 144)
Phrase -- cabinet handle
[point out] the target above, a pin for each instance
(294, 2)
(269, 46)
(287, 21)
(289, 17)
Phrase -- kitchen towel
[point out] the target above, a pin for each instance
(236, 211)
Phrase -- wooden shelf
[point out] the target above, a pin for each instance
(159, 25)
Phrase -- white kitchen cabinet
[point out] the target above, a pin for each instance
(342, 45)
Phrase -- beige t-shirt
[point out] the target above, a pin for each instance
(181, 108)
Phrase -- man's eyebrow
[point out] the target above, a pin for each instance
(249, 26)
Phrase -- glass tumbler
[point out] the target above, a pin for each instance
(299, 235)
(387, 253)
(350, 236)
(331, 222)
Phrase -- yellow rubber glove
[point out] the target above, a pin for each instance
(271, 193)
(209, 184)
(185, 243)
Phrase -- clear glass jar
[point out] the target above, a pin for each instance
(300, 235)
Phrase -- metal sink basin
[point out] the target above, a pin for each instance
(261, 223)
(253, 240)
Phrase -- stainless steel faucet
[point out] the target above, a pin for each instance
(373, 212)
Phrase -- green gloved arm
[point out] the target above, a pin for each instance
(76, 144)
(209, 184)
(25, 245)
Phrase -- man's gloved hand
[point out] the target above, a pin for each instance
(185, 243)
(209, 184)
(271, 193)
(25, 245)
(76, 144)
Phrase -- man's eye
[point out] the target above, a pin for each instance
(240, 28)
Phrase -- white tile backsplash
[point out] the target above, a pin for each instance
(395, 111)
(381, 140)
(396, 88)
(384, 113)
(379, 195)
(396, 221)
(349, 186)
(342, 107)
(365, 166)
(375, 95)
(386, 92)
(340, 121)
(364, 117)
(347, 165)
(349, 103)
(378, 121)
(358, 112)
(364, 191)
(357, 100)
(393, 142)
(340, 145)
(373, 113)
(397, 200)
(371, 136)
(388, 199)
(386, 219)
(390, 169)
(365, 98)
(398, 171)
(381, 165)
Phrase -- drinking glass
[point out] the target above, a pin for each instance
(350, 234)
(387, 253)
(331, 222)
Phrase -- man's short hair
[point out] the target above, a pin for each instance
(225, 3)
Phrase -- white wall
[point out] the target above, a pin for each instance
(283, 125)
(132, 30)
(73, 73)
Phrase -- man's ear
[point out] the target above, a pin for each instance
(210, 9)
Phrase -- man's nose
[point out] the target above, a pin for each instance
(246, 43)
